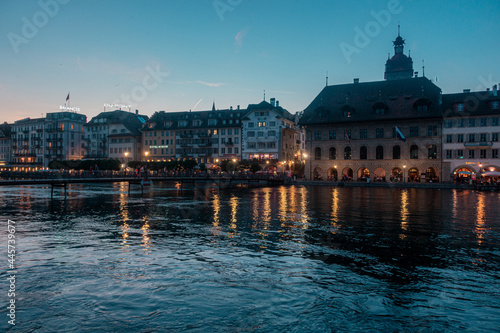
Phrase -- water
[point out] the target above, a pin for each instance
(287, 259)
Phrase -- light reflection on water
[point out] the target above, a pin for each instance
(266, 259)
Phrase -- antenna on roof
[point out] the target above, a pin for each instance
(398, 28)
(327, 78)
(264, 95)
(423, 68)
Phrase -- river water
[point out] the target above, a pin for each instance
(284, 259)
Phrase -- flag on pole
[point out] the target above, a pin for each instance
(347, 137)
(400, 135)
(67, 98)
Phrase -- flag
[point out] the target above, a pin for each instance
(67, 98)
(347, 137)
(400, 135)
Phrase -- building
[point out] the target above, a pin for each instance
(377, 131)
(470, 133)
(112, 134)
(205, 136)
(28, 143)
(270, 133)
(5, 144)
(64, 136)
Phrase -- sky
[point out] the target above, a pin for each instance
(178, 55)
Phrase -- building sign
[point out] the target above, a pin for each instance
(119, 106)
(156, 147)
(68, 108)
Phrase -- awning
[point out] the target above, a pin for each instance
(491, 174)
(464, 173)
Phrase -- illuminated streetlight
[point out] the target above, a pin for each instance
(404, 178)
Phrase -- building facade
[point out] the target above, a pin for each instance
(377, 131)
(205, 136)
(28, 143)
(64, 136)
(114, 134)
(471, 132)
(270, 133)
(5, 144)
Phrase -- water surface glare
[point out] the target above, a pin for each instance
(285, 259)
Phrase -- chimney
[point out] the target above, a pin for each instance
(231, 107)
(238, 107)
(277, 103)
(495, 90)
(356, 80)
(273, 101)
(466, 91)
(416, 73)
(136, 112)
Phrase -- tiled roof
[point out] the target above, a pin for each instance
(398, 97)
(475, 103)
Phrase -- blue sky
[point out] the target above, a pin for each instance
(175, 55)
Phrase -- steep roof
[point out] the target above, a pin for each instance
(399, 98)
(474, 103)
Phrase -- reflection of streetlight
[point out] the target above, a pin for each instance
(404, 168)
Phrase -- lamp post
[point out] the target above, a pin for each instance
(146, 153)
(404, 178)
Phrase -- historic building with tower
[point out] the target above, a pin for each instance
(377, 131)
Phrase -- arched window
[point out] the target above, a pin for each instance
(317, 153)
(414, 152)
(432, 152)
(347, 153)
(333, 153)
(363, 153)
(396, 152)
(379, 153)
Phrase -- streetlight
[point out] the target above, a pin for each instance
(146, 153)
(404, 168)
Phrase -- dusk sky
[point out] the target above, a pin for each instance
(181, 55)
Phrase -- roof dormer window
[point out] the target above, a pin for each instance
(460, 106)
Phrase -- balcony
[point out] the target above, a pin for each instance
(186, 135)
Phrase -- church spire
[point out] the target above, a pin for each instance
(213, 106)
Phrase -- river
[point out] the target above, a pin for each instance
(282, 259)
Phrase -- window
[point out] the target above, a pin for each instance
(363, 133)
(229, 131)
(482, 121)
(363, 153)
(223, 150)
(272, 123)
(333, 153)
(449, 138)
(449, 124)
(379, 112)
(472, 122)
(448, 154)
(271, 145)
(432, 152)
(460, 138)
(379, 133)
(422, 108)
(460, 123)
(460, 106)
(396, 152)
(414, 152)
(347, 153)
(262, 145)
(271, 134)
(262, 124)
(431, 130)
(482, 153)
(494, 137)
(460, 153)
(260, 134)
(414, 131)
(472, 137)
(347, 114)
(317, 135)
(250, 125)
(333, 135)
(317, 153)
(251, 145)
(494, 105)
(379, 153)
(482, 137)
(471, 153)
(236, 131)
(251, 134)
(236, 150)
(494, 153)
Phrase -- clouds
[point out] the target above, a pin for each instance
(238, 39)
(209, 84)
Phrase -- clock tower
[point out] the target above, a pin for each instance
(399, 66)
